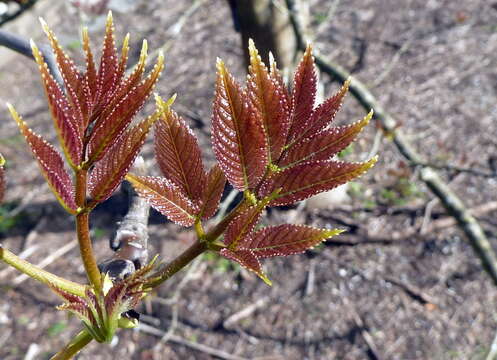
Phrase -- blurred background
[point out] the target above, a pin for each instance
(404, 281)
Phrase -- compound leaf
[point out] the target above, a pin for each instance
(108, 173)
(109, 129)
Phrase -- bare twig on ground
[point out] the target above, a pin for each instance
(245, 312)
(448, 198)
(190, 344)
(411, 290)
(457, 169)
(368, 339)
(492, 354)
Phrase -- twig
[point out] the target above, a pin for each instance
(448, 198)
(414, 292)
(368, 339)
(190, 344)
(245, 312)
(22, 46)
(391, 64)
(454, 168)
(26, 6)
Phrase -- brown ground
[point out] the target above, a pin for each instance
(399, 293)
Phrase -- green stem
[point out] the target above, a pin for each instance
(83, 231)
(76, 344)
(218, 230)
(177, 264)
(41, 275)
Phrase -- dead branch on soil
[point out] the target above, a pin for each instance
(454, 206)
(189, 344)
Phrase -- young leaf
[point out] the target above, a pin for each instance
(303, 95)
(268, 98)
(89, 81)
(212, 192)
(242, 226)
(304, 180)
(325, 113)
(67, 125)
(165, 197)
(108, 173)
(178, 153)
(108, 70)
(278, 78)
(70, 74)
(51, 164)
(323, 145)
(248, 260)
(107, 131)
(237, 133)
(2, 178)
(284, 240)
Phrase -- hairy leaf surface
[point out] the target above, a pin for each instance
(304, 180)
(51, 164)
(109, 172)
(70, 74)
(242, 226)
(303, 95)
(237, 133)
(323, 145)
(267, 97)
(165, 197)
(248, 260)
(178, 154)
(284, 240)
(110, 129)
(212, 192)
(67, 125)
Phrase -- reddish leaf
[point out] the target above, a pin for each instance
(307, 179)
(276, 77)
(237, 133)
(242, 226)
(248, 260)
(212, 192)
(323, 145)
(51, 164)
(323, 115)
(303, 95)
(283, 240)
(2, 178)
(178, 154)
(89, 81)
(108, 70)
(65, 121)
(165, 197)
(70, 74)
(108, 173)
(268, 98)
(110, 128)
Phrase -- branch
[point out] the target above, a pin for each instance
(448, 198)
(21, 45)
(23, 7)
